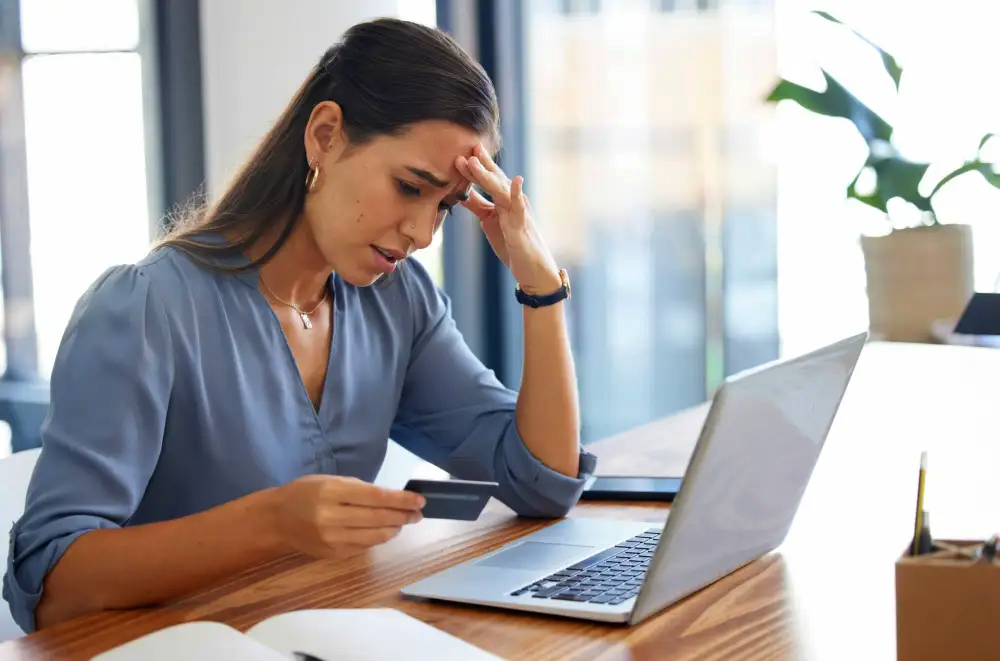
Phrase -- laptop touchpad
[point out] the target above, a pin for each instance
(535, 555)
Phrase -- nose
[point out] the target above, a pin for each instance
(419, 230)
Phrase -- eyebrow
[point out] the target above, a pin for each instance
(428, 177)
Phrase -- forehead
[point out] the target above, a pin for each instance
(434, 146)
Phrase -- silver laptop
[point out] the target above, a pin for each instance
(756, 452)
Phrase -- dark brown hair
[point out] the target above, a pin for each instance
(385, 74)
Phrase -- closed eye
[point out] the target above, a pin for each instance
(409, 190)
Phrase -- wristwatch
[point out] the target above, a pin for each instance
(548, 299)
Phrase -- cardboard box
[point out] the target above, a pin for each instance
(947, 604)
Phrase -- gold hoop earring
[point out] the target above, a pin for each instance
(312, 177)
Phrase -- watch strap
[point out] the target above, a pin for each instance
(544, 300)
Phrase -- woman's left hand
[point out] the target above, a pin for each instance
(507, 223)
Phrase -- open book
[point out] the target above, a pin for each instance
(372, 634)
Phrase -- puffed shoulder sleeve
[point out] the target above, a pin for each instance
(110, 388)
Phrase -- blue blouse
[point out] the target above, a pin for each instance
(174, 390)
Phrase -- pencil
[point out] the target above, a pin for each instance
(920, 503)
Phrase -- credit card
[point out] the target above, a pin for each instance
(461, 500)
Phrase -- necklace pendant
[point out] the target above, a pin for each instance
(305, 320)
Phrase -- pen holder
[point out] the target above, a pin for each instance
(947, 604)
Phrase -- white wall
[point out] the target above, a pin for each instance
(255, 54)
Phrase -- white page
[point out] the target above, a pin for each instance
(191, 641)
(371, 634)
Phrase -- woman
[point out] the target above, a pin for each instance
(229, 398)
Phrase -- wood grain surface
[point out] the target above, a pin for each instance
(827, 593)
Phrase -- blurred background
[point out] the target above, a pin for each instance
(705, 228)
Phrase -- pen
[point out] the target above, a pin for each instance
(919, 524)
(925, 543)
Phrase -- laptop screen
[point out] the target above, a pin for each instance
(748, 473)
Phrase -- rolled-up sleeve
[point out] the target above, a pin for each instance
(456, 414)
(110, 387)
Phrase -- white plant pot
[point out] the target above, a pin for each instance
(915, 277)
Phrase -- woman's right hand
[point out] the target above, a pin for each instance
(326, 515)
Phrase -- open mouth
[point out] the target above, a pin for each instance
(388, 255)
(386, 260)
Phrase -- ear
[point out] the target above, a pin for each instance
(325, 137)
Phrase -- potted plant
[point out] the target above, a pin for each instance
(919, 273)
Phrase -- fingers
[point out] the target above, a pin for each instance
(517, 199)
(489, 221)
(356, 516)
(358, 492)
(483, 157)
(464, 167)
(487, 161)
(478, 205)
(494, 183)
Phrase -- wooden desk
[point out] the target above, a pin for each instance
(827, 593)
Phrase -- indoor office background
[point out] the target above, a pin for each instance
(705, 231)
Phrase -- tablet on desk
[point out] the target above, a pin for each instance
(981, 315)
(631, 487)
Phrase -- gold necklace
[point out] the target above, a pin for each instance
(304, 316)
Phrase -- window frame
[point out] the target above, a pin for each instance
(169, 50)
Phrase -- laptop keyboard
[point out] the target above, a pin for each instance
(611, 576)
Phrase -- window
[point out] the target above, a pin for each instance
(644, 173)
(86, 178)
(85, 146)
(946, 105)
(77, 114)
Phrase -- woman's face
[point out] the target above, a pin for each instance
(376, 203)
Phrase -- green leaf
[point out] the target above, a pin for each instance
(888, 61)
(982, 142)
(892, 68)
(895, 177)
(985, 169)
(991, 177)
(872, 200)
(900, 178)
(835, 101)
